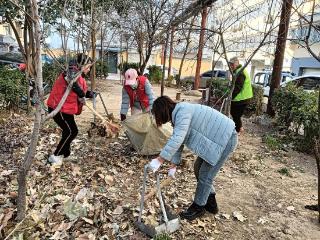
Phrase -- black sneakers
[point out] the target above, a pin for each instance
(212, 206)
(193, 212)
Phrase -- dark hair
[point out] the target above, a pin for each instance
(162, 109)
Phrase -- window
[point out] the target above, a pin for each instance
(309, 83)
(259, 79)
(7, 30)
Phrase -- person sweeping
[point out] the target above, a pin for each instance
(72, 106)
(209, 134)
(136, 93)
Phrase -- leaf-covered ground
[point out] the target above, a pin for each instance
(95, 194)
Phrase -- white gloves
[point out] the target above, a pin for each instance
(172, 172)
(155, 164)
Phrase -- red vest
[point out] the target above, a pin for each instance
(71, 105)
(139, 93)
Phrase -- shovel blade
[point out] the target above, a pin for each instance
(172, 226)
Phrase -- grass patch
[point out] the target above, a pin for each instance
(272, 142)
(285, 171)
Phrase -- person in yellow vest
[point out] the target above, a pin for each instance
(241, 94)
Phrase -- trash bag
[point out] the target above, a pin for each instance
(144, 135)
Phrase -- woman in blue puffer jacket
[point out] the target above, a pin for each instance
(205, 131)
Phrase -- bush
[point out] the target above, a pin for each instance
(13, 86)
(102, 69)
(50, 73)
(155, 74)
(296, 110)
(255, 106)
(126, 65)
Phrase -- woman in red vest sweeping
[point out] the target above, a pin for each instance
(72, 106)
(136, 93)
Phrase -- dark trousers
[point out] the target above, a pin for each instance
(237, 111)
(69, 132)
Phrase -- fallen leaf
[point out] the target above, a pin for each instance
(118, 210)
(238, 216)
(87, 220)
(73, 210)
(290, 208)
(6, 218)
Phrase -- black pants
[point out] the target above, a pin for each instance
(69, 132)
(237, 111)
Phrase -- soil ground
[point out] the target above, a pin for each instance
(261, 192)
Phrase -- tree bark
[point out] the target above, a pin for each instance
(204, 15)
(279, 54)
(93, 44)
(27, 161)
(164, 62)
(171, 51)
(185, 52)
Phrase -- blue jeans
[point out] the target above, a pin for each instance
(205, 173)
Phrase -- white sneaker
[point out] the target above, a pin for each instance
(55, 160)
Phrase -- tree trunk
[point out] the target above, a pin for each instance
(101, 53)
(204, 15)
(279, 54)
(93, 44)
(185, 52)
(164, 63)
(27, 161)
(171, 51)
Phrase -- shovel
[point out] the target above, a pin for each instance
(170, 223)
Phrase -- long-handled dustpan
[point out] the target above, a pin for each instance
(169, 222)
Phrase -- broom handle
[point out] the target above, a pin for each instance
(164, 183)
(102, 118)
(96, 113)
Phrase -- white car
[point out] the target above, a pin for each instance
(309, 82)
(263, 79)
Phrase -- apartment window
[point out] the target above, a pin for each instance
(7, 30)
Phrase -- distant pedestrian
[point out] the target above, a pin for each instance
(136, 93)
(241, 94)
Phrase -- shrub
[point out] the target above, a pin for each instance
(13, 86)
(255, 106)
(296, 110)
(155, 73)
(126, 65)
(50, 73)
(102, 69)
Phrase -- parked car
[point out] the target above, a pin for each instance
(204, 77)
(263, 79)
(308, 82)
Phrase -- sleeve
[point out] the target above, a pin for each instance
(238, 85)
(78, 90)
(180, 130)
(176, 159)
(149, 93)
(125, 102)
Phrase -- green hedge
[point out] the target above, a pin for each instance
(13, 86)
(155, 74)
(255, 106)
(296, 110)
(102, 69)
(50, 72)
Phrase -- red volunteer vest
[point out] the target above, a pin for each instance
(71, 105)
(139, 93)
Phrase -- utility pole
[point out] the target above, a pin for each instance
(279, 54)
(204, 15)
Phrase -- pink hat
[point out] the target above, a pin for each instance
(131, 76)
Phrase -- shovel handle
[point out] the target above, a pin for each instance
(164, 183)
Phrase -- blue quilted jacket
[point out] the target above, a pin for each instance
(202, 129)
